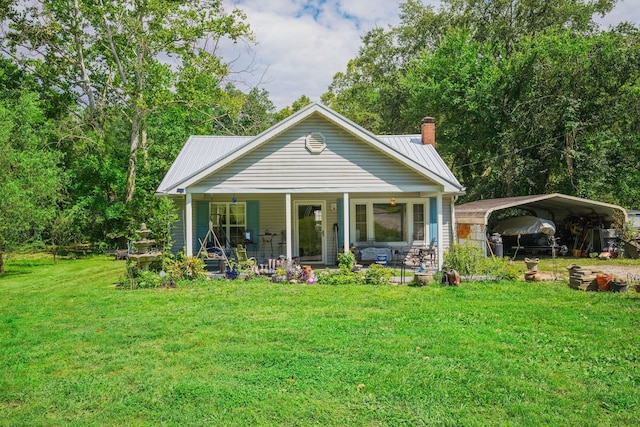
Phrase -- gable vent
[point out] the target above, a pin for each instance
(315, 143)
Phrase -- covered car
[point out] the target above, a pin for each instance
(523, 225)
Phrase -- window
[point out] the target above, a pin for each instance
(418, 222)
(361, 223)
(377, 221)
(229, 222)
(389, 222)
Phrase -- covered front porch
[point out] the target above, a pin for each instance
(314, 227)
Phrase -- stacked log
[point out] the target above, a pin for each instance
(582, 279)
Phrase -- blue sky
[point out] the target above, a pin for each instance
(303, 43)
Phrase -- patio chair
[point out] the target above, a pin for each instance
(244, 262)
(431, 251)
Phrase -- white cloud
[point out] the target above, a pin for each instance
(303, 43)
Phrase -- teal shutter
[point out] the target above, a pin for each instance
(340, 223)
(433, 219)
(253, 223)
(202, 223)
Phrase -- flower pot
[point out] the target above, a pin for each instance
(422, 279)
(603, 281)
(532, 263)
(532, 276)
(618, 286)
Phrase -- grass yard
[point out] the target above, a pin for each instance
(74, 350)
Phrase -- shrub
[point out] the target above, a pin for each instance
(499, 269)
(376, 274)
(465, 259)
(339, 277)
(139, 279)
(185, 267)
(346, 261)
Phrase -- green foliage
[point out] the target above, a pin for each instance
(377, 274)
(228, 352)
(529, 97)
(339, 277)
(185, 267)
(141, 279)
(165, 215)
(31, 178)
(346, 260)
(374, 274)
(495, 268)
(465, 259)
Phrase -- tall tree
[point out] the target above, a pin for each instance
(32, 181)
(554, 115)
(120, 56)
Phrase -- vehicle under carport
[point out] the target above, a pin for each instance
(582, 225)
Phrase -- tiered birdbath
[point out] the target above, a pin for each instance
(144, 255)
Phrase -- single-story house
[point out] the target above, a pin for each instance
(312, 186)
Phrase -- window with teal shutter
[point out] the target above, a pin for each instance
(253, 223)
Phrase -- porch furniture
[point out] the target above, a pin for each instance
(370, 255)
(244, 262)
(382, 260)
(418, 256)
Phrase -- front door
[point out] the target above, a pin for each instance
(310, 231)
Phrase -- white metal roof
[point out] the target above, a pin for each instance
(197, 154)
(201, 155)
(411, 146)
(542, 204)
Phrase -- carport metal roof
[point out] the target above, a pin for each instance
(551, 206)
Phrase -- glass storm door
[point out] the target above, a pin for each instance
(310, 232)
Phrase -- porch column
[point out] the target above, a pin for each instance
(440, 233)
(289, 227)
(188, 219)
(345, 222)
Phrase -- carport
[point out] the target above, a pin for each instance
(574, 217)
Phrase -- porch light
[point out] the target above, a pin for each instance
(393, 201)
(234, 200)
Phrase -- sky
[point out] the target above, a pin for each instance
(303, 43)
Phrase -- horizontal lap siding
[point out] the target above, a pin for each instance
(272, 218)
(284, 161)
(446, 223)
(177, 228)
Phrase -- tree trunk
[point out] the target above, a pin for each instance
(570, 139)
(133, 157)
(1, 262)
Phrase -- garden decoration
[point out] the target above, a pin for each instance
(143, 253)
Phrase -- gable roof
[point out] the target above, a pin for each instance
(203, 155)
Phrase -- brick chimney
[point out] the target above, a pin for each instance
(429, 131)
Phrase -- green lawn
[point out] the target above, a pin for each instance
(74, 350)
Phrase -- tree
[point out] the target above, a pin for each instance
(554, 115)
(121, 57)
(31, 180)
(529, 96)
